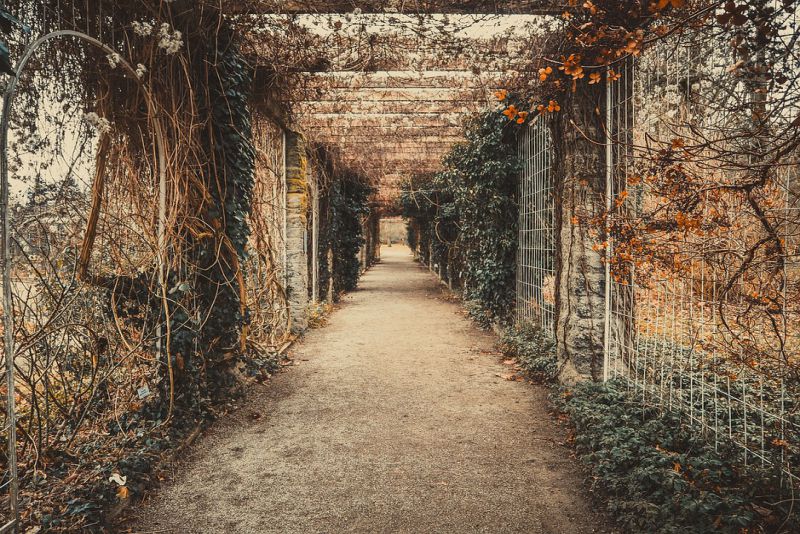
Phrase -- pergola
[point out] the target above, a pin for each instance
(399, 115)
(468, 7)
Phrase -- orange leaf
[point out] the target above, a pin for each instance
(511, 112)
(675, 4)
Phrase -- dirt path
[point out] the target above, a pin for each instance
(394, 421)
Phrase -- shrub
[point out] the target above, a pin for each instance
(468, 212)
(659, 476)
(533, 349)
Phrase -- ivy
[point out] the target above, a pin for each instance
(229, 179)
(342, 232)
(534, 350)
(467, 215)
(661, 476)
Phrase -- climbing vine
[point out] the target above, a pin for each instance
(346, 206)
(467, 214)
(229, 178)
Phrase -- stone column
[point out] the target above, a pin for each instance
(315, 240)
(331, 284)
(579, 173)
(296, 228)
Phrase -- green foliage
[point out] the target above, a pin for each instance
(347, 201)
(411, 237)
(659, 476)
(469, 213)
(229, 178)
(533, 349)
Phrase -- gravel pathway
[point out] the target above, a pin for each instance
(396, 418)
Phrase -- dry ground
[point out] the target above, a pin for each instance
(395, 420)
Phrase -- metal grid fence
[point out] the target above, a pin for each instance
(676, 334)
(679, 334)
(535, 258)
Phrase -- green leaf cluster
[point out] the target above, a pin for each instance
(342, 232)
(534, 350)
(467, 215)
(661, 476)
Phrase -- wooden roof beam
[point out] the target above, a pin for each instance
(412, 7)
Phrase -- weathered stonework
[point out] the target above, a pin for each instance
(580, 271)
(296, 228)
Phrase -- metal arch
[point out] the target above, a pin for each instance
(5, 255)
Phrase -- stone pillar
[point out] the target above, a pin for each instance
(378, 240)
(331, 284)
(314, 240)
(296, 228)
(579, 173)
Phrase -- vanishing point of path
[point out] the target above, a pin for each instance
(395, 420)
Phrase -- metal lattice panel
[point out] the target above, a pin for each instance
(535, 257)
(666, 336)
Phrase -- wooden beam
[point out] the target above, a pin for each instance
(375, 106)
(409, 7)
(422, 135)
(428, 94)
(381, 130)
(402, 79)
(446, 117)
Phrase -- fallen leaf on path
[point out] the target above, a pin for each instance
(119, 479)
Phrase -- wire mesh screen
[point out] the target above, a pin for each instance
(702, 315)
(535, 261)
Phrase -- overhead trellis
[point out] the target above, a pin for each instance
(391, 87)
